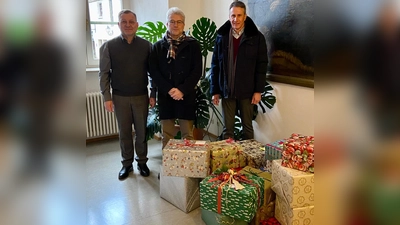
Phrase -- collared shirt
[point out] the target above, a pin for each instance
(124, 39)
(237, 34)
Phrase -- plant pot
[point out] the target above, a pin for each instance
(198, 133)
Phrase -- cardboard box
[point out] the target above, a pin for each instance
(239, 204)
(182, 192)
(294, 186)
(186, 158)
(293, 216)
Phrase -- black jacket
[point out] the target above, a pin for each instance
(183, 73)
(251, 62)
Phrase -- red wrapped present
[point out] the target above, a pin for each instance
(298, 153)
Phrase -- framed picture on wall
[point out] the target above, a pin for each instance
(288, 26)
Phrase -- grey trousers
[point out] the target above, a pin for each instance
(169, 130)
(132, 110)
(229, 106)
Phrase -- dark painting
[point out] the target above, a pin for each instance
(288, 26)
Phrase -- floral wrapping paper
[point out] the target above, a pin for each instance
(298, 153)
(273, 151)
(294, 186)
(226, 153)
(186, 158)
(254, 153)
(239, 204)
(293, 216)
(213, 218)
(182, 192)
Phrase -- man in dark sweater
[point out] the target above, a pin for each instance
(124, 67)
(238, 69)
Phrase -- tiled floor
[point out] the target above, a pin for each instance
(135, 200)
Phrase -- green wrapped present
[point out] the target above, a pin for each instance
(232, 194)
(213, 218)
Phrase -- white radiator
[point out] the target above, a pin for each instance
(99, 122)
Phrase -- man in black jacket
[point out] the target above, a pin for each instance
(238, 69)
(175, 67)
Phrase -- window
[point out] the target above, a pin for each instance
(102, 25)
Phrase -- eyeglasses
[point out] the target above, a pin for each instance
(179, 22)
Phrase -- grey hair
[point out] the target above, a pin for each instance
(238, 4)
(125, 11)
(175, 10)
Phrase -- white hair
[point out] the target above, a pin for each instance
(175, 10)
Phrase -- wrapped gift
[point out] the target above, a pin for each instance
(232, 194)
(273, 151)
(267, 209)
(291, 216)
(296, 187)
(298, 153)
(254, 153)
(182, 192)
(270, 221)
(186, 158)
(213, 218)
(226, 153)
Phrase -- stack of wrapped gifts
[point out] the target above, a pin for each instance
(184, 163)
(241, 183)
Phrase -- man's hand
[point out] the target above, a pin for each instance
(152, 102)
(215, 99)
(176, 94)
(256, 98)
(109, 106)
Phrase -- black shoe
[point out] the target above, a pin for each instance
(124, 172)
(143, 169)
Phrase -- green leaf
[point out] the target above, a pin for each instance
(152, 31)
(202, 110)
(204, 30)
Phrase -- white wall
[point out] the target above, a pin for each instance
(158, 9)
(293, 113)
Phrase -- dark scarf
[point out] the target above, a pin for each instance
(173, 45)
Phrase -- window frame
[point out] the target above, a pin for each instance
(91, 62)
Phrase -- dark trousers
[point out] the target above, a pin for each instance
(246, 110)
(132, 110)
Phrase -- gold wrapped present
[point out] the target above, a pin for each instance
(186, 158)
(294, 186)
(293, 216)
(226, 153)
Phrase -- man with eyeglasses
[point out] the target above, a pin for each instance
(124, 67)
(175, 67)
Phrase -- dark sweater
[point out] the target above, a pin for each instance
(125, 66)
